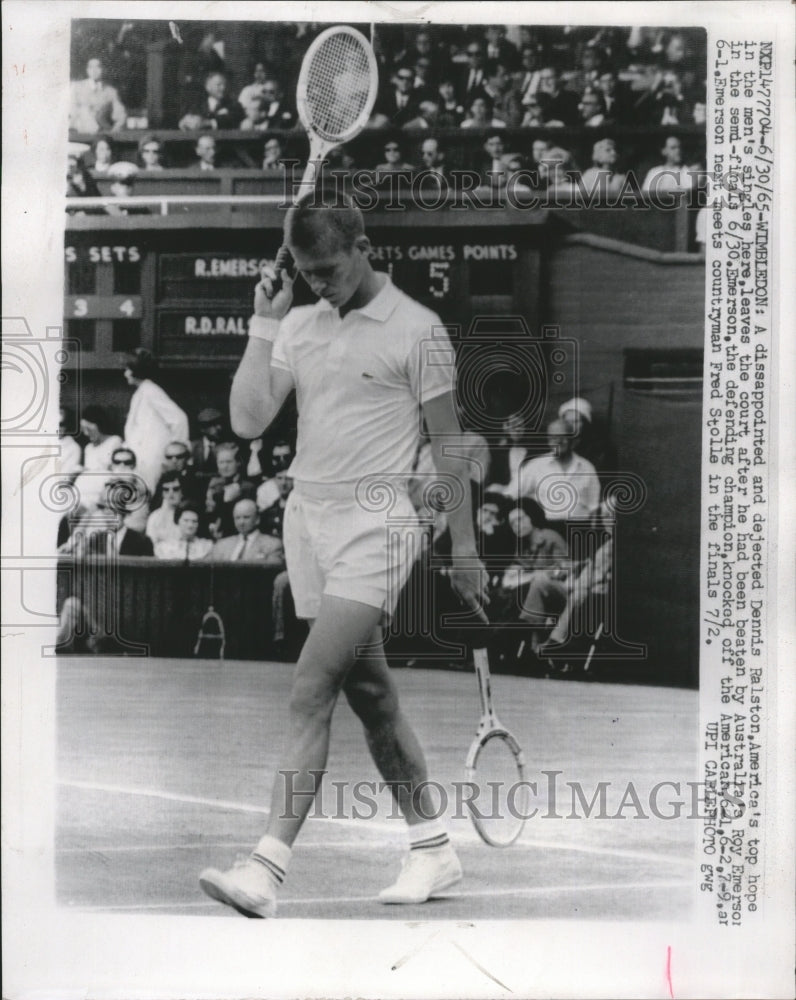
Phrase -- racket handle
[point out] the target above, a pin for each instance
(282, 262)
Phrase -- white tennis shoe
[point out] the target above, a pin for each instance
(423, 874)
(247, 887)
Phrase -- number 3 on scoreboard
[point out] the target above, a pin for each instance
(439, 281)
(80, 307)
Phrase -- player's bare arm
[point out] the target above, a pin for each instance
(258, 390)
(468, 576)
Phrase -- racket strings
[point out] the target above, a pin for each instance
(338, 85)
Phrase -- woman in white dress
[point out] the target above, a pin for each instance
(160, 525)
(154, 419)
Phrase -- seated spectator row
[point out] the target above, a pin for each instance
(633, 76)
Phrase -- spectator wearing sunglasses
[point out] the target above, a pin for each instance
(393, 159)
(150, 153)
(177, 459)
(400, 105)
(124, 469)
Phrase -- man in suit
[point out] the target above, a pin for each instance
(203, 449)
(472, 78)
(499, 47)
(93, 105)
(400, 105)
(248, 544)
(225, 489)
(95, 541)
(560, 106)
(175, 461)
(216, 110)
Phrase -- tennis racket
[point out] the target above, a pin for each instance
(335, 94)
(495, 766)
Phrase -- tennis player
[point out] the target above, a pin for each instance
(365, 370)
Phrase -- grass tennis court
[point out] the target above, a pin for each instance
(165, 767)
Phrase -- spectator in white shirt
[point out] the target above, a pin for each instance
(95, 106)
(562, 482)
(160, 525)
(671, 175)
(187, 545)
(205, 150)
(255, 88)
(70, 459)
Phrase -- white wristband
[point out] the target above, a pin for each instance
(263, 328)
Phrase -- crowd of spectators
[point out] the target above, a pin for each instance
(157, 492)
(432, 79)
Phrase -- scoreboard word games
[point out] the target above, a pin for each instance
(186, 294)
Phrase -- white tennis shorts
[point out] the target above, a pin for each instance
(335, 545)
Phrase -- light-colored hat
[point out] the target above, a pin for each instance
(77, 149)
(581, 406)
(122, 171)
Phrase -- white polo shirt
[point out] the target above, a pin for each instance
(563, 492)
(360, 381)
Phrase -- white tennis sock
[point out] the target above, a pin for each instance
(428, 834)
(273, 855)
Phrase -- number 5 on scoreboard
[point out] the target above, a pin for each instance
(439, 279)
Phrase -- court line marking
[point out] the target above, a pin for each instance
(370, 825)
(451, 897)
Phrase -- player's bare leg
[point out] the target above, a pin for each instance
(432, 864)
(328, 655)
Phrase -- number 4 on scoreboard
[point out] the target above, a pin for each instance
(102, 306)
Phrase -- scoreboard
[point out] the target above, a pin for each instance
(185, 291)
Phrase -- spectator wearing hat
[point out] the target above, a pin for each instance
(153, 419)
(94, 106)
(592, 439)
(602, 177)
